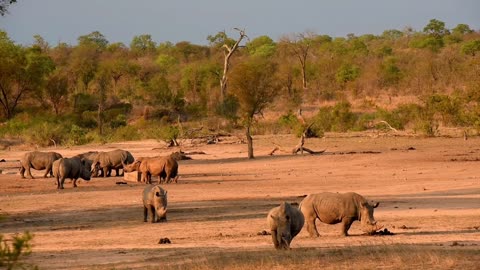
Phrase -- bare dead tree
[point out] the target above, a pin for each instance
(300, 46)
(226, 64)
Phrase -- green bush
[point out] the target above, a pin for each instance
(338, 118)
(77, 136)
(12, 254)
(125, 133)
(46, 134)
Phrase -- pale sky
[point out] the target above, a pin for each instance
(193, 20)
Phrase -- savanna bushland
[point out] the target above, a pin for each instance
(102, 91)
(96, 91)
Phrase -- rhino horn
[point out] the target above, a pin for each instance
(376, 204)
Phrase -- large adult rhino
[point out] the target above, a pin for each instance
(166, 168)
(39, 161)
(88, 157)
(112, 160)
(154, 203)
(285, 223)
(72, 168)
(333, 208)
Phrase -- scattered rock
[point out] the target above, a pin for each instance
(264, 232)
(164, 241)
(411, 148)
(120, 183)
(381, 232)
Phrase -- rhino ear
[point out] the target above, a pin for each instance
(376, 204)
(157, 194)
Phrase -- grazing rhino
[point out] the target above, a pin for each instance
(166, 168)
(333, 208)
(38, 161)
(106, 161)
(155, 203)
(72, 168)
(285, 222)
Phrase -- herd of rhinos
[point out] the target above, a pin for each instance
(285, 221)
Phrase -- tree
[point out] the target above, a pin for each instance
(462, 29)
(229, 50)
(21, 70)
(255, 86)
(262, 46)
(142, 44)
(4, 5)
(94, 38)
(56, 90)
(300, 45)
(436, 28)
(102, 80)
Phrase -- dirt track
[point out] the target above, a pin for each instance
(429, 193)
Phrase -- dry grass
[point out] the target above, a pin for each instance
(365, 257)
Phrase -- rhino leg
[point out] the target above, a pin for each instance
(311, 228)
(22, 172)
(47, 171)
(60, 184)
(275, 240)
(151, 210)
(105, 172)
(145, 213)
(58, 181)
(75, 182)
(29, 173)
(346, 223)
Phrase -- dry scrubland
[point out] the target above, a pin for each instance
(428, 188)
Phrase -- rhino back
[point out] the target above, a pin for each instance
(329, 207)
(40, 160)
(70, 167)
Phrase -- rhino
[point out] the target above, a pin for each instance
(38, 161)
(333, 208)
(166, 168)
(88, 157)
(155, 203)
(106, 161)
(72, 168)
(285, 222)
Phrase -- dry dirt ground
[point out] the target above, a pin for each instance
(428, 189)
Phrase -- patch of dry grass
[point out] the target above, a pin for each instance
(365, 257)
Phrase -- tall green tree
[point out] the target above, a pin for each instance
(22, 70)
(255, 86)
(142, 45)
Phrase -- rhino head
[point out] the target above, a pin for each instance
(283, 221)
(85, 173)
(132, 166)
(160, 203)
(366, 215)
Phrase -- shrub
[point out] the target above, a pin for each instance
(338, 118)
(11, 255)
(125, 133)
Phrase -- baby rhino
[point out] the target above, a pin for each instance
(285, 223)
(155, 203)
(333, 208)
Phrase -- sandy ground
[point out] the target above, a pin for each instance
(428, 189)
